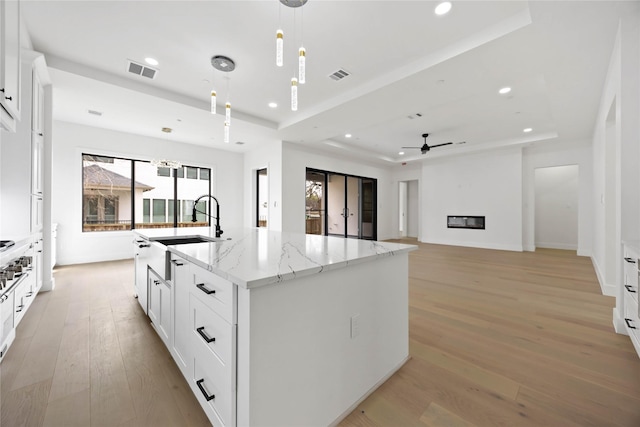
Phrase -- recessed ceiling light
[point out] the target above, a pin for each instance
(151, 61)
(272, 105)
(504, 90)
(443, 8)
(527, 130)
(347, 135)
(401, 153)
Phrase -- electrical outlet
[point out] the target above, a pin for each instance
(355, 325)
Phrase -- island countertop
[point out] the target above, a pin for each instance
(257, 256)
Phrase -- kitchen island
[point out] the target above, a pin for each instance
(274, 328)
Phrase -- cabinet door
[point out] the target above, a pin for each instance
(37, 213)
(180, 279)
(10, 67)
(37, 150)
(37, 118)
(37, 263)
(153, 302)
(141, 279)
(164, 328)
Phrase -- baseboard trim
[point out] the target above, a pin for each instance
(351, 408)
(608, 290)
(551, 245)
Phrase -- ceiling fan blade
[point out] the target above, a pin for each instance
(440, 145)
(411, 147)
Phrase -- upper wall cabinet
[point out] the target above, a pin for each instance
(37, 110)
(10, 62)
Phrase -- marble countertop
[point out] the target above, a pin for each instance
(256, 256)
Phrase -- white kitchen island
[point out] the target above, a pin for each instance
(281, 329)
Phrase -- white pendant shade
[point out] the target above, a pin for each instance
(294, 94)
(213, 102)
(302, 58)
(279, 48)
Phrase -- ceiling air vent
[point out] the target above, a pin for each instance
(339, 75)
(141, 70)
(239, 143)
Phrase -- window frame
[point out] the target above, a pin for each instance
(173, 175)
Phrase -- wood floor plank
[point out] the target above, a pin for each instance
(72, 410)
(72, 372)
(437, 416)
(26, 406)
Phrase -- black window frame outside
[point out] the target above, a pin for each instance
(174, 176)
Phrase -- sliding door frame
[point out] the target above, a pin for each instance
(325, 202)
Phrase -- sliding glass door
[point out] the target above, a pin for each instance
(349, 203)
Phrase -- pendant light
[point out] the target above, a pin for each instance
(294, 94)
(226, 65)
(302, 53)
(213, 102)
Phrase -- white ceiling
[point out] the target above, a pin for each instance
(403, 60)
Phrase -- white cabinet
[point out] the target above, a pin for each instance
(7, 327)
(181, 326)
(140, 284)
(159, 305)
(213, 314)
(630, 295)
(37, 213)
(37, 106)
(10, 59)
(37, 150)
(37, 265)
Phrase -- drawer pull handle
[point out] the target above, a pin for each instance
(630, 260)
(629, 324)
(204, 336)
(205, 290)
(177, 263)
(204, 392)
(20, 307)
(630, 289)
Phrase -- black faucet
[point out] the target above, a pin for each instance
(217, 217)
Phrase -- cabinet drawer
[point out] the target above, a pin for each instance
(631, 316)
(211, 385)
(215, 292)
(212, 333)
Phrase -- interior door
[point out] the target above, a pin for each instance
(352, 205)
(336, 204)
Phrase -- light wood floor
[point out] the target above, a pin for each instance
(496, 339)
(508, 339)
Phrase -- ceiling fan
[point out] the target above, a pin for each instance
(426, 147)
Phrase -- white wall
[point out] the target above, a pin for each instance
(296, 160)
(621, 93)
(556, 207)
(557, 153)
(70, 140)
(267, 156)
(413, 216)
(487, 184)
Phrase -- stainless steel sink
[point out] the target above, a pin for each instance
(168, 241)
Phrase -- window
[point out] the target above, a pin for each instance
(192, 173)
(146, 210)
(115, 190)
(159, 214)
